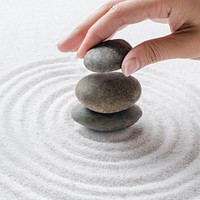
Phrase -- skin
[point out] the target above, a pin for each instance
(181, 15)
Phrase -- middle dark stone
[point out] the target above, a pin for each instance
(108, 92)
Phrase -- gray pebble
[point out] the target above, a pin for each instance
(106, 122)
(107, 56)
(108, 92)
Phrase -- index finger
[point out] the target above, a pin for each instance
(124, 13)
(73, 41)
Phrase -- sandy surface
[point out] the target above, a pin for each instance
(44, 155)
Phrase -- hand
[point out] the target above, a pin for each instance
(181, 15)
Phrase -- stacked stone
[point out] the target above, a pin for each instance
(107, 98)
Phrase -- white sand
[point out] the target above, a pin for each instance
(44, 155)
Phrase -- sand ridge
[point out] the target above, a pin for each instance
(46, 155)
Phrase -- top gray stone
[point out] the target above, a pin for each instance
(107, 56)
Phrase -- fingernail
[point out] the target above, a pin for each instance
(80, 52)
(60, 46)
(78, 55)
(68, 38)
(67, 44)
(130, 66)
(60, 42)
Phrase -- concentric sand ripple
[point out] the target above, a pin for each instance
(44, 154)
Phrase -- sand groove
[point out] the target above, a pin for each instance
(45, 155)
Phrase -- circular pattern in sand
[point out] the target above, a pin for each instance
(45, 155)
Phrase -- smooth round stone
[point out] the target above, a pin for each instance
(108, 92)
(107, 56)
(106, 122)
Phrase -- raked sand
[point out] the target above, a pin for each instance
(46, 155)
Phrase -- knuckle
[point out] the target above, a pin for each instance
(152, 52)
(81, 30)
(118, 9)
(109, 5)
(91, 32)
(119, 12)
(94, 33)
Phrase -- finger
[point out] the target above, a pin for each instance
(183, 44)
(73, 41)
(196, 58)
(162, 21)
(124, 13)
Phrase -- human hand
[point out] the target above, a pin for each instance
(181, 15)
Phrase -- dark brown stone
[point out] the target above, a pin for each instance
(108, 92)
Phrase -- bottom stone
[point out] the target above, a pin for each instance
(106, 122)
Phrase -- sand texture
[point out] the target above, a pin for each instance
(46, 155)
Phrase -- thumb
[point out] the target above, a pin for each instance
(181, 44)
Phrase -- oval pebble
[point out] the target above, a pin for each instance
(108, 92)
(107, 56)
(106, 122)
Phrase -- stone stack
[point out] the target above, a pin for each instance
(107, 98)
